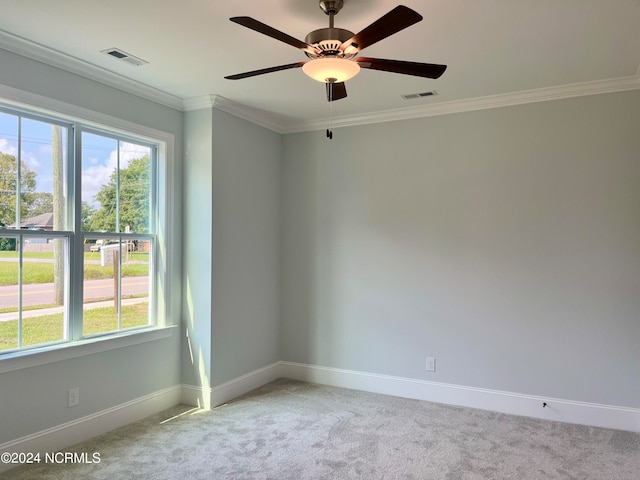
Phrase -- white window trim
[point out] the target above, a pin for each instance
(166, 305)
(65, 351)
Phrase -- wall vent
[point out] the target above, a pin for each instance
(412, 96)
(124, 56)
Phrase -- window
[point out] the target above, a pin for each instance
(78, 231)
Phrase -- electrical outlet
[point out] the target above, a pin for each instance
(431, 364)
(73, 397)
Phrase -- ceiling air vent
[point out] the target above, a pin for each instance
(412, 96)
(124, 56)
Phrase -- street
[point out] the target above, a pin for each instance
(42, 293)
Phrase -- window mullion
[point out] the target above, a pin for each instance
(19, 241)
(154, 222)
(118, 188)
(76, 247)
(18, 220)
(19, 174)
(153, 182)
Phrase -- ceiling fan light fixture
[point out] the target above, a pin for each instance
(336, 69)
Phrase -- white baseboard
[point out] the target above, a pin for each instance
(70, 433)
(196, 396)
(606, 416)
(210, 397)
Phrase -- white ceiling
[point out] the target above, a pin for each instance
(497, 52)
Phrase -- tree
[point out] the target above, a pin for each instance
(7, 244)
(8, 183)
(131, 201)
(86, 214)
(42, 203)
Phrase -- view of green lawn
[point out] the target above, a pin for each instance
(43, 272)
(49, 328)
(10, 254)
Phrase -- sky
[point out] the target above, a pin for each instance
(99, 154)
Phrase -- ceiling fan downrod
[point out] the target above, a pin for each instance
(328, 40)
(331, 8)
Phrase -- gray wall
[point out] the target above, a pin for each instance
(232, 247)
(505, 242)
(35, 77)
(245, 334)
(197, 263)
(33, 399)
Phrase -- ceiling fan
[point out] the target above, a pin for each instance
(333, 50)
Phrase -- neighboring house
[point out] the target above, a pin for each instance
(44, 221)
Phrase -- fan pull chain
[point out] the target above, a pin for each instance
(329, 131)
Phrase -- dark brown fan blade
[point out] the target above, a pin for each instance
(428, 70)
(336, 91)
(273, 33)
(264, 70)
(397, 19)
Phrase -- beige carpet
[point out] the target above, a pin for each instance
(294, 430)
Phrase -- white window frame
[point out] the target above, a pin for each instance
(164, 263)
(76, 325)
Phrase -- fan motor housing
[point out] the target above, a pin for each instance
(331, 7)
(328, 40)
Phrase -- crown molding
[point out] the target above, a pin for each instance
(431, 110)
(198, 103)
(473, 104)
(35, 51)
(259, 117)
(283, 125)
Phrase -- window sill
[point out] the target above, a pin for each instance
(57, 353)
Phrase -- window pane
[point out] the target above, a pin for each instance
(136, 284)
(8, 294)
(100, 288)
(134, 191)
(116, 286)
(115, 185)
(44, 290)
(40, 288)
(8, 169)
(99, 176)
(42, 178)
